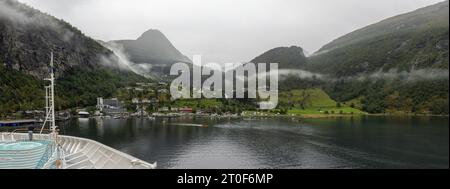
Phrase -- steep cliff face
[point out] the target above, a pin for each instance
(152, 54)
(84, 68)
(27, 36)
(152, 47)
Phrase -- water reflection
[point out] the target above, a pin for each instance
(358, 142)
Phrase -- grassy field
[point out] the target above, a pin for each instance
(306, 98)
(199, 103)
(309, 113)
(331, 110)
(315, 102)
(304, 103)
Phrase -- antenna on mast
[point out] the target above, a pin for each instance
(51, 60)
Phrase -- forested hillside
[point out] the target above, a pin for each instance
(84, 68)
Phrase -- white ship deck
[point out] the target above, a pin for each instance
(79, 153)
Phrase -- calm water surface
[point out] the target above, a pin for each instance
(360, 142)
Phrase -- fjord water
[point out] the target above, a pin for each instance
(358, 142)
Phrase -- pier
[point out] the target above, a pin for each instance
(16, 123)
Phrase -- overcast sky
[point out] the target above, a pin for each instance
(226, 30)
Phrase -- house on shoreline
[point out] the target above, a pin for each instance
(110, 106)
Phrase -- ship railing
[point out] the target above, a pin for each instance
(57, 154)
(51, 152)
(136, 162)
(68, 145)
(46, 157)
(95, 150)
(11, 135)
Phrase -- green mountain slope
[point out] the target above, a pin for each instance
(414, 40)
(19, 91)
(399, 65)
(286, 57)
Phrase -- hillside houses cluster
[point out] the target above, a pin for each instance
(143, 96)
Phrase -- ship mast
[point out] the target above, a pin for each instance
(50, 99)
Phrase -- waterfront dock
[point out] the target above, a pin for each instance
(16, 123)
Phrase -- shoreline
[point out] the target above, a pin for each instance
(317, 116)
(301, 116)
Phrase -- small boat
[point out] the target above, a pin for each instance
(190, 124)
(83, 114)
